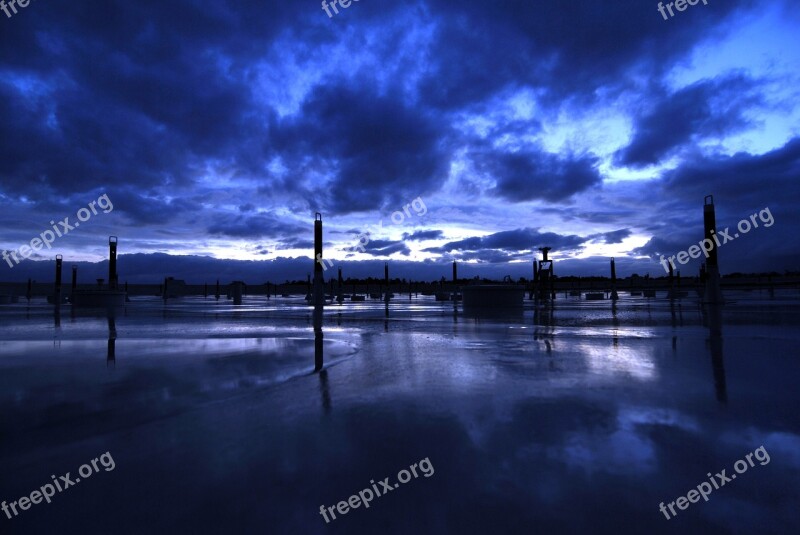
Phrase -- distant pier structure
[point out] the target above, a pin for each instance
(713, 292)
(545, 280)
(103, 297)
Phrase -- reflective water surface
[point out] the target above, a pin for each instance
(572, 417)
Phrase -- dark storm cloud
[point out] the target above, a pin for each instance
(616, 236)
(146, 93)
(422, 235)
(528, 175)
(381, 152)
(619, 215)
(147, 100)
(296, 243)
(571, 48)
(742, 185)
(668, 243)
(710, 108)
(492, 256)
(386, 248)
(142, 208)
(129, 92)
(511, 241)
(744, 180)
(262, 225)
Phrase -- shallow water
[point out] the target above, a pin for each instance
(582, 416)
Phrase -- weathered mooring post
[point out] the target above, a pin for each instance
(546, 283)
(386, 280)
(319, 283)
(340, 288)
(57, 289)
(713, 292)
(112, 262)
(455, 280)
(614, 294)
(237, 289)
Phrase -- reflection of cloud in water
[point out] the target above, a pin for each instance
(638, 362)
(779, 445)
(653, 416)
(625, 450)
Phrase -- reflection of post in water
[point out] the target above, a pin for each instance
(543, 317)
(676, 320)
(318, 351)
(111, 356)
(386, 317)
(323, 387)
(57, 292)
(615, 323)
(713, 315)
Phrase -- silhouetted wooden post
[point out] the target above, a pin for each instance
(455, 280)
(614, 295)
(319, 283)
(237, 288)
(713, 293)
(57, 296)
(340, 288)
(386, 278)
(112, 262)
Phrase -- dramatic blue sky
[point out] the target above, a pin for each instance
(217, 129)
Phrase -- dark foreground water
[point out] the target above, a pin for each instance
(580, 418)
